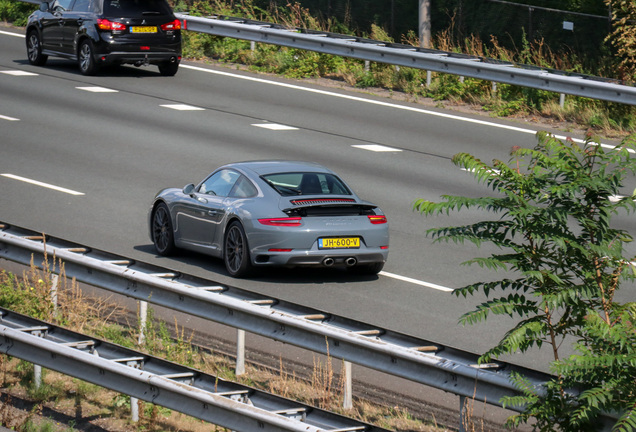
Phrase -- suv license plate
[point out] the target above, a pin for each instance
(143, 29)
(339, 243)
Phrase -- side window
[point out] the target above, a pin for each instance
(243, 189)
(81, 5)
(220, 183)
(61, 5)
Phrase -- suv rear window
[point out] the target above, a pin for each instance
(133, 8)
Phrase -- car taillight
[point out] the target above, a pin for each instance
(295, 221)
(279, 250)
(377, 219)
(172, 25)
(105, 24)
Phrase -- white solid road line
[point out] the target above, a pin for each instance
(38, 183)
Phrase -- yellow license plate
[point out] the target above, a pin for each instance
(143, 29)
(339, 243)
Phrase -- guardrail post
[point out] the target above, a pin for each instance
(37, 376)
(562, 100)
(134, 409)
(348, 387)
(462, 414)
(54, 281)
(428, 78)
(240, 352)
(494, 88)
(143, 317)
(252, 46)
(367, 65)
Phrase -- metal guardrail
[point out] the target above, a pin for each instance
(418, 360)
(410, 56)
(415, 57)
(192, 392)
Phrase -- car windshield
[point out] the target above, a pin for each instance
(306, 183)
(132, 8)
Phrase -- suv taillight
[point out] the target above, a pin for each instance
(172, 25)
(105, 24)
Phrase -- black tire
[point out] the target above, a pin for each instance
(162, 233)
(367, 269)
(236, 253)
(34, 49)
(168, 68)
(86, 58)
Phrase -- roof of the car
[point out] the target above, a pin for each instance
(263, 167)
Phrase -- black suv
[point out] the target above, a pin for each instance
(102, 32)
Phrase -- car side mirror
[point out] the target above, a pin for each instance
(44, 6)
(189, 189)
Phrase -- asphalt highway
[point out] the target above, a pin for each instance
(82, 157)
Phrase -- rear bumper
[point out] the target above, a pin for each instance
(155, 50)
(340, 258)
(299, 246)
(138, 58)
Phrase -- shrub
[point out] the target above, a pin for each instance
(16, 12)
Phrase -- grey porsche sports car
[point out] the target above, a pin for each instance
(272, 213)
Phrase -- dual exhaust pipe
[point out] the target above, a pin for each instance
(349, 262)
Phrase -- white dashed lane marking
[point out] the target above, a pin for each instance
(416, 282)
(18, 73)
(274, 126)
(182, 107)
(11, 34)
(376, 148)
(39, 183)
(97, 89)
(8, 118)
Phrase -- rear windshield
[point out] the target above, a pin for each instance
(306, 183)
(134, 8)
